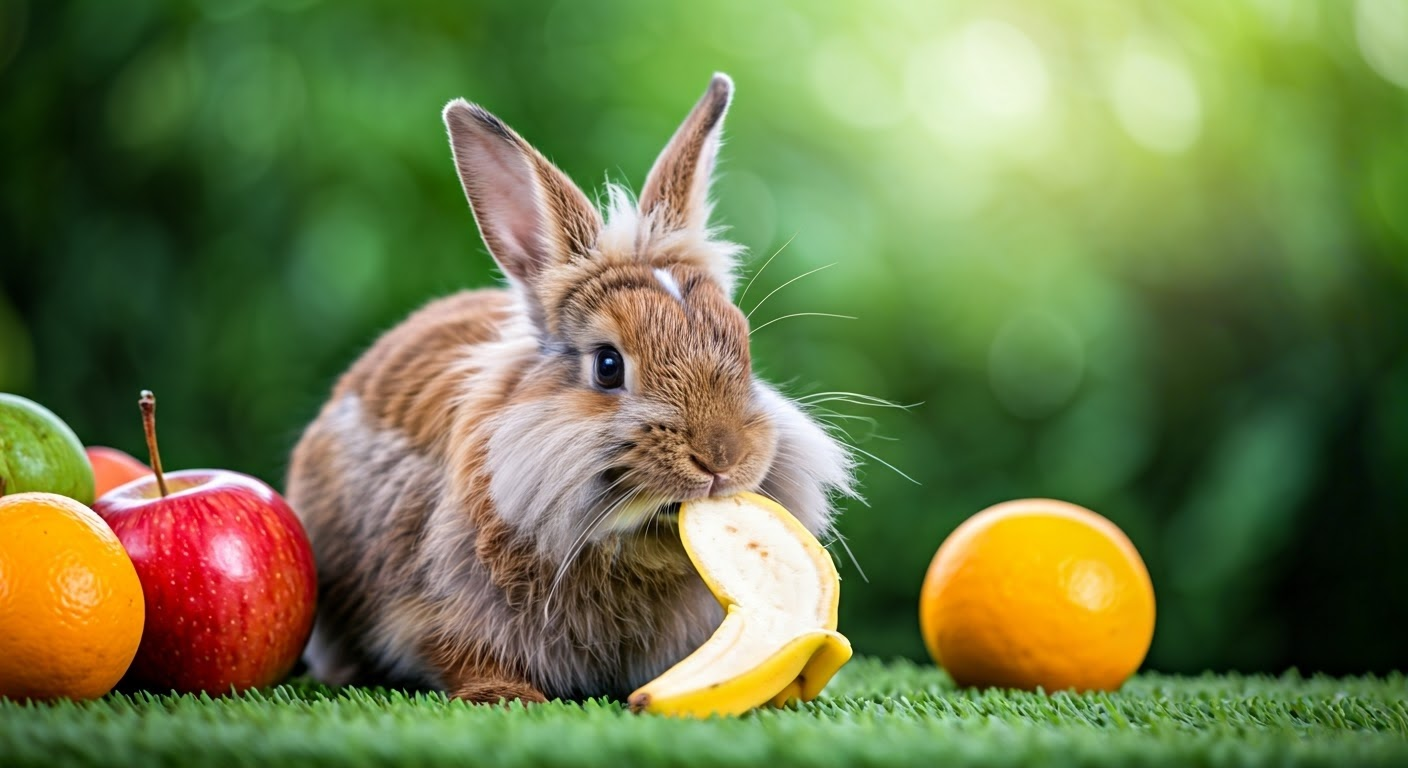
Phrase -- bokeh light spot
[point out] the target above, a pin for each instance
(852, 87)
(748, 203)
(1156, 100)
(1000, 70)
(1035, 364)
(1381, 27)
(990, 75)
(153, 98)
(338, 262)
(265, 99)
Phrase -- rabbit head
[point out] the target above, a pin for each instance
(637, 391)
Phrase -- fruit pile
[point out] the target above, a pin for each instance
(113, 574)
(116, 574)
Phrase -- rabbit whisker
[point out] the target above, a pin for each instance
(784, 285)
(870, 455)
(580, 544)
(765, 266)
(800, 314)
(851, 398)
(792, 483)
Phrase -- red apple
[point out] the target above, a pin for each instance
(112, 468)
(227, 573)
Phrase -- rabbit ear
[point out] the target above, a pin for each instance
(529, 213)
(677, 189)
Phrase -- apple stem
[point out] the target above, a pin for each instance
(147, 402)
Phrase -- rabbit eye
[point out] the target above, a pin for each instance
(609, 369)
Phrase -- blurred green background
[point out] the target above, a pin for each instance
(1148, 257)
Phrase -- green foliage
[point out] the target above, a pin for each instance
(1146, 257)
(873, 714)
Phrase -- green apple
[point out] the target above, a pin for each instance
(38, 452)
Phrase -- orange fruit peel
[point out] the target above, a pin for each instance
(71, 606)
(1038, 593)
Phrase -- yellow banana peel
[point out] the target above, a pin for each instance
(779, 589)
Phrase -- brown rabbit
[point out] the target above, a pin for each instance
(490, 489)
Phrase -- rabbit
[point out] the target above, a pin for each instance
(491, 488)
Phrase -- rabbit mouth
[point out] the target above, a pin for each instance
(644, 511)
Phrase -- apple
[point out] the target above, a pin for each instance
(38, 452)
(112, 468)
(226, 570)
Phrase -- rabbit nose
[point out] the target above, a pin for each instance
(717, 452)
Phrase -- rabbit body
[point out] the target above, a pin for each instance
(489, 488)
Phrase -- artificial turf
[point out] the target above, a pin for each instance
(873, 713)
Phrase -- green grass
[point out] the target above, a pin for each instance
(874, 713)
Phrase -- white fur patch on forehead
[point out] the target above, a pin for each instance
(630, 234)
(667, 281)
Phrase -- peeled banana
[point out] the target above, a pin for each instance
(779, 589)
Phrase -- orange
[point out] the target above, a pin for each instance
(1036, 592)
(71, 607)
